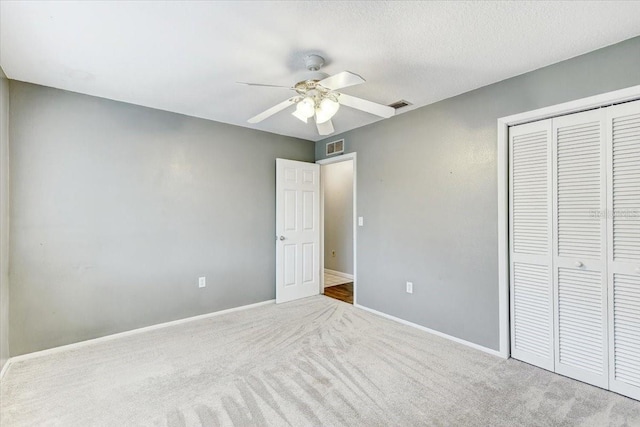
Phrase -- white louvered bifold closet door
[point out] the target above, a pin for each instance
(580, 282)
(623, 220)
(531, 254)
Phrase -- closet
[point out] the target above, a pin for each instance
(574, 225)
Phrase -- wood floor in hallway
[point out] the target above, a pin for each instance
(341, 292)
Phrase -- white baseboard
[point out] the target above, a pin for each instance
(127, 333)
(431, 331)
(339, 273)
(5, 368)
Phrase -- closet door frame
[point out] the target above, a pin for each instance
(597, 101)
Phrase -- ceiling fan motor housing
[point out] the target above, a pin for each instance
(309, 82)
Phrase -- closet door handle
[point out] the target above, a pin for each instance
(579, 264)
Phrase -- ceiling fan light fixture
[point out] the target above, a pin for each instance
(305, 108)
(317, 96)
(326, 110)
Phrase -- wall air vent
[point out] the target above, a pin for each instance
(400, 104)
(335, 147)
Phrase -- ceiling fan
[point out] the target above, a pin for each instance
(317, 97)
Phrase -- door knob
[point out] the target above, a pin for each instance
(281, 237)
(579, 264)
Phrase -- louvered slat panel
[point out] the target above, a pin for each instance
(530, 193)
(626, 319)
(579, 172)
(579, 247)
(626, 187)
(532, 299)
(623, 236)
(530, 240)
(580, 319)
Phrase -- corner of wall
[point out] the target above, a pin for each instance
(4, 221)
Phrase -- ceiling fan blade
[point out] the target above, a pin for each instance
(271, 111)
(340, 80)
(325, 128)
(368, 106)
(260, 84)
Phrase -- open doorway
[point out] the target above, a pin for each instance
(337, 193)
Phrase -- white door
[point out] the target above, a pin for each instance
(297, 229)
(580, 266)
(531, 244)
(623, 221)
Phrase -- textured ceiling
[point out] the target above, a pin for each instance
(186, 56)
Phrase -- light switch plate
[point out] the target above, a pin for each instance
(360, 221)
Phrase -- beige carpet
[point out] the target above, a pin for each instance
(308, 363)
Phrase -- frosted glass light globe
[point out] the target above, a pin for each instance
(327, 109)
(306, 107)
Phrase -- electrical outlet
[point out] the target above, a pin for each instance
(409, 287)
(360, 221)
(202, 282)
(333, 254)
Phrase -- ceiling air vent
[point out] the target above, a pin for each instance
(400, 104)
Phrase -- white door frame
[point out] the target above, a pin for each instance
(597, 101)
(337, 159)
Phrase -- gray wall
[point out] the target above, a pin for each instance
(427, 188)
(4, 219)
(337, 179)
(118, 209)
